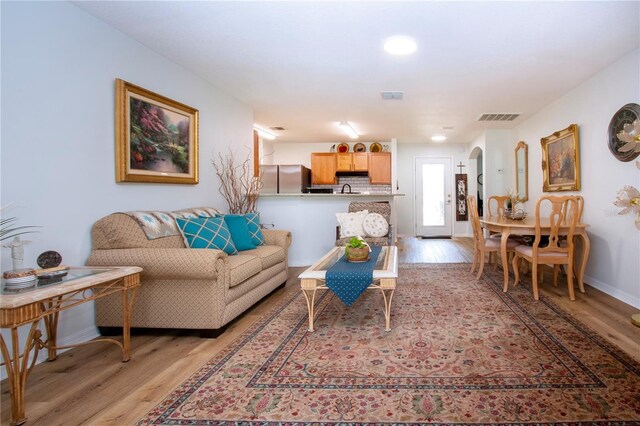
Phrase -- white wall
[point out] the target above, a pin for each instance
(407, 152)
(614, 263)
(499, 159)
(57, 147)
(296, 152)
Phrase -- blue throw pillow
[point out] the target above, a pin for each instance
(253, 223)
(237, 225)
(207, 233)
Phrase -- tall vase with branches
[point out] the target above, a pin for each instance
(238, 185)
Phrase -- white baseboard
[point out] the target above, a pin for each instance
(79, 337)
(627, 298)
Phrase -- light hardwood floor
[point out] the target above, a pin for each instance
(89, 384)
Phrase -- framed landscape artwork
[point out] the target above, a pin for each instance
(156, 137)
(561, 160)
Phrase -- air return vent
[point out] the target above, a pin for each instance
(392, 96)
(498, 117)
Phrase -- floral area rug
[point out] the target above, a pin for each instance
(460, 351)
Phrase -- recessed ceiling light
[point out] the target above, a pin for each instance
(439, 138)
(400, 45)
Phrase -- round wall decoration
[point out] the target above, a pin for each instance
(375, 147)
(625, 115)
(359, 147)
(343, 147)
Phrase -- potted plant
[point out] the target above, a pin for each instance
(357, 250)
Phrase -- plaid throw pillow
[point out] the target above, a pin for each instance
(206, 232)
(253, 223)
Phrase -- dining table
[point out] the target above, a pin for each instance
(527, 226)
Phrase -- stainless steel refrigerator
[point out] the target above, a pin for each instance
(269, 176)
(285, 179)
(293, 178)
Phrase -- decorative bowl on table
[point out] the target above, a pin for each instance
(357, 250)
(357, 254)
(512, 214)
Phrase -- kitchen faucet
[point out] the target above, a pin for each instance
(346, 184)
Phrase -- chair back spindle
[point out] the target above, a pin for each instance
(500, 202)
(580, 208)
(565, 212)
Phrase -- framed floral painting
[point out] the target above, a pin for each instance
(561, 160)
(156, 137)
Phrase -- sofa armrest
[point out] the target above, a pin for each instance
(277, 237)
(165, 263)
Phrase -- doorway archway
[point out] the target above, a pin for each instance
(477, 156)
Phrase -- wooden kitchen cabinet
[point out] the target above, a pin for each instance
(360, 161)
(323, 168)
(352, 162)
(380, 168)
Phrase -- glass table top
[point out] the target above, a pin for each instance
(339, 253)
(40, 283)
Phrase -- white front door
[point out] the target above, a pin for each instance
(433, 197)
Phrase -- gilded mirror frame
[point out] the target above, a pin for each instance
(522, 146)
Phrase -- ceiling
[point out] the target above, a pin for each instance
(307, 65)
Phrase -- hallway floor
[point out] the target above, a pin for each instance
(435, 250)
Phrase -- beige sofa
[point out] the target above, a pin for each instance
(181, 287)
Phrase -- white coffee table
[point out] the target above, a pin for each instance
(385, 274)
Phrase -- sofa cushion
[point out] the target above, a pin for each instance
(253, 223)
(121, 231)
(242, 267)
(240, 234)
(269, 255)
(206, 232)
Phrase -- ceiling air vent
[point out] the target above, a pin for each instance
(498, 117)
(392, 96)
(277, 128)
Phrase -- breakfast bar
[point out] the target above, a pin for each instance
(311, 218)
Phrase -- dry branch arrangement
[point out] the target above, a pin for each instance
(239, 187)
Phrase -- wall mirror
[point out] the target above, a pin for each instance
(522, 171)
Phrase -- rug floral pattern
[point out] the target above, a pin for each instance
(460, 351)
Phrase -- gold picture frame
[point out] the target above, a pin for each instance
(561, 160)
(156, 137)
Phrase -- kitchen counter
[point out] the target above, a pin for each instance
(311, 218)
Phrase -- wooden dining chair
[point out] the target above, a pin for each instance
(482, 245)
(500, 202)
(564, 213)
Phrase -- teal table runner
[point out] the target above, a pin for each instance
(349, 280)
